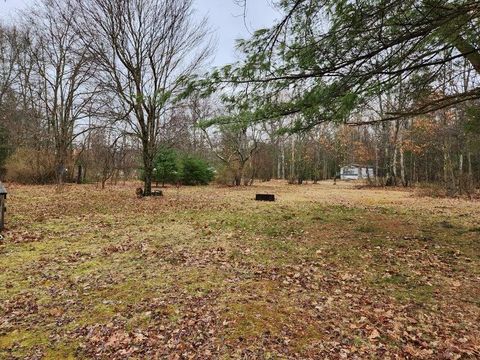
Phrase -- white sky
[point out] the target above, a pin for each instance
(226, 19)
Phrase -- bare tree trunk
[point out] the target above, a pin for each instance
(238, 179)
(279, 163)
(387, 167)
(448, 174)
(460, 164)
(414, 171)
(426, 171)
(394, 165)
(60, 164)
(469, 160)
(292, 163)
(396, 137)
(148, 172)
(254, 173)
(445, 166)
(79, 173)
(402, 167)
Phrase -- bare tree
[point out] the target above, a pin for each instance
(146, 50)
(11, 45)
(234, 145)
(107, 149)
(62, 76)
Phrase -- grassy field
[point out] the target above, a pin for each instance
(207, 273)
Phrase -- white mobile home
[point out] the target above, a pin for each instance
(356, 172)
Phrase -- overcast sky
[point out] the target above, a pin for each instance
(226, 18)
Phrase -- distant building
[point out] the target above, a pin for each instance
(356, 172)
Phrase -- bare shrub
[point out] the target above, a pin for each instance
(31, 166)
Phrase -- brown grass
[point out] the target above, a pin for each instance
(325, 271)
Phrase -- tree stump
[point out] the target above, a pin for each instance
(265, 197)
(157, 193)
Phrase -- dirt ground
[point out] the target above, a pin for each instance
(325, 272)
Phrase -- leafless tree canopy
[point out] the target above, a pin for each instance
(62, 76)
(146, 51)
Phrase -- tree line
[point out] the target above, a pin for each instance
(97, 90)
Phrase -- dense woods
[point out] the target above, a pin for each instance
(92, 91)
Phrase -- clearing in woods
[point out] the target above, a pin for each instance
(325, 271)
